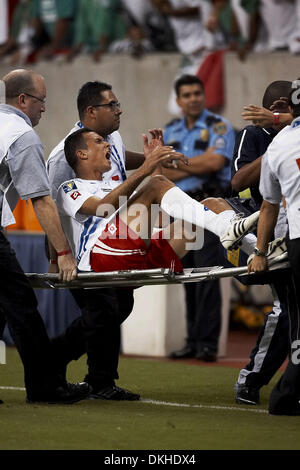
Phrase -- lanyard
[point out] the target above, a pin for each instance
(115, 155)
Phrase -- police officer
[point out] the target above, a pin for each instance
(208, 140)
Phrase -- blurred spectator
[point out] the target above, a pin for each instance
(3, 22)
(281, 19)
(18, 45)
(153, 25)
(269, 25)
(98, 23)
(53, 25)
(187, 19)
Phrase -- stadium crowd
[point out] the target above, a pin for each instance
(32, 30)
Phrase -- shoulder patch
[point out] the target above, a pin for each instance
(70, 186)
(220, 128)
(211, 119)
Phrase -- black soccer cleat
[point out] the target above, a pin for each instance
(113, 392)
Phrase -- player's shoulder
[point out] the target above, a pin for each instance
(173, 123)
(69, 185)
(218, 124)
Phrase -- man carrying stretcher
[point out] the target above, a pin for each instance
(111, 229)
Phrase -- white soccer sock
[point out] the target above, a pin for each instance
(248, 243)
(181, 206)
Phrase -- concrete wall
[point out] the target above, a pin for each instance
(142, 87)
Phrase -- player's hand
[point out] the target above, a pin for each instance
(258, 264)
(281, 105)
(259, 116)
(161, 155)
(67, 266)
(157, 140)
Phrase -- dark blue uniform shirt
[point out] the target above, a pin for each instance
(251, 143)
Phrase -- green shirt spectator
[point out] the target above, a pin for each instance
(98, 23)
(49, 11)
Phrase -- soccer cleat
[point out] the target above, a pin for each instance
(67, 393)
(114, 393)
(246, 395)
(239, 227)
(275, 248)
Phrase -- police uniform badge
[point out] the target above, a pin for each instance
(204, 135)
(70, 186)
(220, 128)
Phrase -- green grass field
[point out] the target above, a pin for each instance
(183, 407)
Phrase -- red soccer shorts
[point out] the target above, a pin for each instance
(119, 248)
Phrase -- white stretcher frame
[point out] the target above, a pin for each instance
(138, 278)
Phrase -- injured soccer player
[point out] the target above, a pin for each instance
(110, 227)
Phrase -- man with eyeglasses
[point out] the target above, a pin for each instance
(97, 330)
(21, 156)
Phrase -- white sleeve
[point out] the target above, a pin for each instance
(70, 198)
(269, 185)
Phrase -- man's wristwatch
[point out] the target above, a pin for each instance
(258, 252)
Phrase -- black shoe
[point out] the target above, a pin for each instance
(184, 353)
(1, 402)
(246, 395)
(113, 393)
(206, 354)
(66, 394)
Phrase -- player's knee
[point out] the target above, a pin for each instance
(216, 204)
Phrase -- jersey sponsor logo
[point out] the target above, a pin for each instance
(220, 128)
(298, 162)
(69, 186)
(75, 195)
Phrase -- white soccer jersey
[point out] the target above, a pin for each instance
(82, 231)
(59, 170)
(280, 174)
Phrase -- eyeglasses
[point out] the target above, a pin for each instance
(113, 105)
(42, 100)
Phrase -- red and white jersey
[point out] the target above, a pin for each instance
(81, 230)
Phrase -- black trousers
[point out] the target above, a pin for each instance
(285, 396)
(272, 345)
(18, 308)
(96, 332)
(203, 299)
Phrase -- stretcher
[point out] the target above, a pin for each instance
(138, 278)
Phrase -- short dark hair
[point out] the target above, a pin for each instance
(276, 90)
(73, 143)
(294, 98)
(89, 95)
(187, 80)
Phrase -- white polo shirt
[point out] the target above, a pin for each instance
(280, 174)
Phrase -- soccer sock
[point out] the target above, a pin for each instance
(248, 243)
(181, 206)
